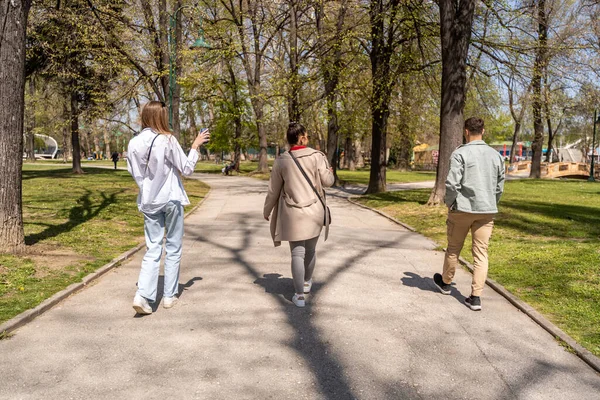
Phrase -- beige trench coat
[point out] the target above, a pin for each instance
(297, 213)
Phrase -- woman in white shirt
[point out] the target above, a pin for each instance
(156, 161)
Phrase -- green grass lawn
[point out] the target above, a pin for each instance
(73, 225)
(393, 176)
(545, 247)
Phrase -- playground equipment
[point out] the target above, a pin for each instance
(45, 147)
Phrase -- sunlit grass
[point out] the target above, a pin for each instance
(545, 247)
(85, 220)
(393, 176)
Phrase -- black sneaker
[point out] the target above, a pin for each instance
(439, 282)
(473, 302)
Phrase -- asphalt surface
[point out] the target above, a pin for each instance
(375, 326)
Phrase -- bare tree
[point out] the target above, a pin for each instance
(330, 56)
(456, 21)
(257, 23)
(536, 83)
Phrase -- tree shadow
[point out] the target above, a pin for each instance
(587, 218)
(307, 342)
(83, 212)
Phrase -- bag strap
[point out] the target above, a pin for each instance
(307, 179)
(150, 152)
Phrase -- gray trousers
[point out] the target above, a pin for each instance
(303, 261)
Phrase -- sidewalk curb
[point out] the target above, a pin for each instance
(538, 318)
(29, 315)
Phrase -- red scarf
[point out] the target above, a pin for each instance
(297, 147)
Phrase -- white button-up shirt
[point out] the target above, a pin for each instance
(159, 179)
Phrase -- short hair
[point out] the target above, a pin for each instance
(294, 131)
(155, 116)
(474, 125)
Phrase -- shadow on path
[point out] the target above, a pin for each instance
(307, 342)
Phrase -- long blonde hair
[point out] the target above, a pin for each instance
(156, 116)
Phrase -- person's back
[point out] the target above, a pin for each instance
(298, 211)
(156, 162)
(473, 188)
(474, 179)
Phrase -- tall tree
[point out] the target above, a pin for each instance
(331, 65)
(456, 21)
(13, 16)
(539, 66)
(394, 24)
(257, 24)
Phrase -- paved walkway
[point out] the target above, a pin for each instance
(375, 327)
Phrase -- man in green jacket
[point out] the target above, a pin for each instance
(473, 188)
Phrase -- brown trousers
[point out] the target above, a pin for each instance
(459, 224)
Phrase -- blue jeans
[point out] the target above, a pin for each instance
(171, 219)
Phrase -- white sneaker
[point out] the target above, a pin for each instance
(169, 302)
(141, 305)
(298, 300)
(307, 286)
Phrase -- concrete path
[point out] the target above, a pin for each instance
(375, 326)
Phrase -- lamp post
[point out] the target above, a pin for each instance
(199, 43)
(596, 122)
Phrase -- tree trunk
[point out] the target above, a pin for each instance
(12, 99)
(331, 67)
(31, 126)
(377, 177)
(263, 164)
(75, 134)
(107, 152)
(178, 69)
(332, 134)
(513, 147)
(237, 118)
(294, 83)
(383, 84)
(518, 119)
(348, 153)
(456, 21)
(97, 149)
(193, 132)
(538, 68)
(65, 129)
(550, 139)
(162, 52)
(358, 158)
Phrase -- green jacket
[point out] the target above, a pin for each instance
(476, 179)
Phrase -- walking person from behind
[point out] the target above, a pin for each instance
(297, 206)
(115, 158)
(156, 161)
(473, 188)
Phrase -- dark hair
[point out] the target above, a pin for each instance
(294, 131)
(474, 125)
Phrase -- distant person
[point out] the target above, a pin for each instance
(473, 188)
(156, 162)
(115, 158)
(296, 200)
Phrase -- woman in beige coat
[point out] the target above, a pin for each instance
(298, 214)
